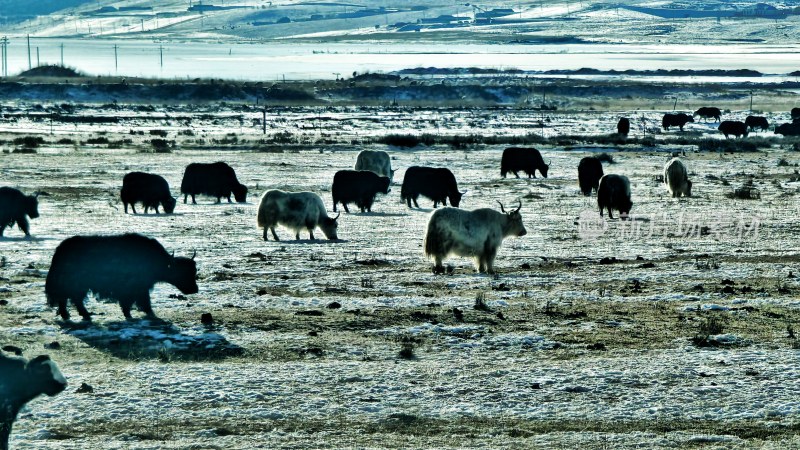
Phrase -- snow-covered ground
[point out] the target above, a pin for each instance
(577, 348)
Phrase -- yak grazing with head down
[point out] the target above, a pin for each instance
(528, 160)
(753, 122)
(709, 113)
(215, 180)
(376, 161)
(123, 268)
(675, 120)
(477, 233)
(149, 189)
(14, 207)
(436, 183)
(734, 127)
(20, 382)
(296, 210)
(359, 187)
(676, 177)
(614, 192)
(590, 170)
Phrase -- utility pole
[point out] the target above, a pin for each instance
(29, 53)
(116, 66)
(37, 57)
(161, 55)
(62, 54)
(751, 101)
(4, 44)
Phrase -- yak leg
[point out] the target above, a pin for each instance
(609, 213)
(297, 236)
(143, 303)
(310, 227)
(194, 202)
(438, 267)
(415, 202)
(273, 233)
(229, 199)
(444, 201)
(156, 208)
(82, 310)
(5, 429)
(62, 308)
(126, 207)
(435, 204)
(408, 201)
(2, 229)
(126, 304)
(344, 205)
(185, 196)
(516, 174)
(219, 199)
(23, 225)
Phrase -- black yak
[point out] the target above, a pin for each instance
(528, 160)
(795, 113)
(477, 233)
(788, 129)
(148, 189)
(436, 183)
(296, 210)
(215, 180)
(122, 268)
(590, 170)
(676, 177)
(359, 187)
(14, 207)
(675, 120)
(624, 126)
(709, 112)
(614, 192)
(753, 122)
(733, 127)
(22, 381)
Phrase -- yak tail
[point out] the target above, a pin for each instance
(432, 244)
(261, 218)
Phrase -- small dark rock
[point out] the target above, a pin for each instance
(500, 315)
(3, 302)
(596, 346)
(751, 372)
(536, 385)
(55, 345)
(334, 305)
(84, 389)
(12, 349)
(261, 292)
(608, 260)
(310, 312)
(458, 314)
(639, 258)
(525, 266)
(647, 265)
(313, 333)
(727, 282)
(206, 319)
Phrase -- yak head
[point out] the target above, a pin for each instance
(240, 193)
(169, 205)
(32, 205)
(329, 225)
(43, 376)
(514, 226)
(545, 168)
(182, 273)
(383, 185)
(455, 198)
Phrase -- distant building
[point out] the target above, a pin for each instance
(497, 12)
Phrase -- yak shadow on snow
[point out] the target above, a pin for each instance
(310, 241)
(154, 215)
(25, 239)
(378, 214)
(152, 338)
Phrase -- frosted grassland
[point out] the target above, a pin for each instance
(621, 340)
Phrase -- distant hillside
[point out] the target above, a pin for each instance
(18, 10)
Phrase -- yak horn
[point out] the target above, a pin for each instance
(194, 254)
(549, 162)
(519, 207)
(337, 216)
(501, 206)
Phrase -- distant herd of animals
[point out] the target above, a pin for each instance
(727, 127)
(126, 267)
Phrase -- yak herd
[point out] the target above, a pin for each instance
(727, 127)
(125, 267)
